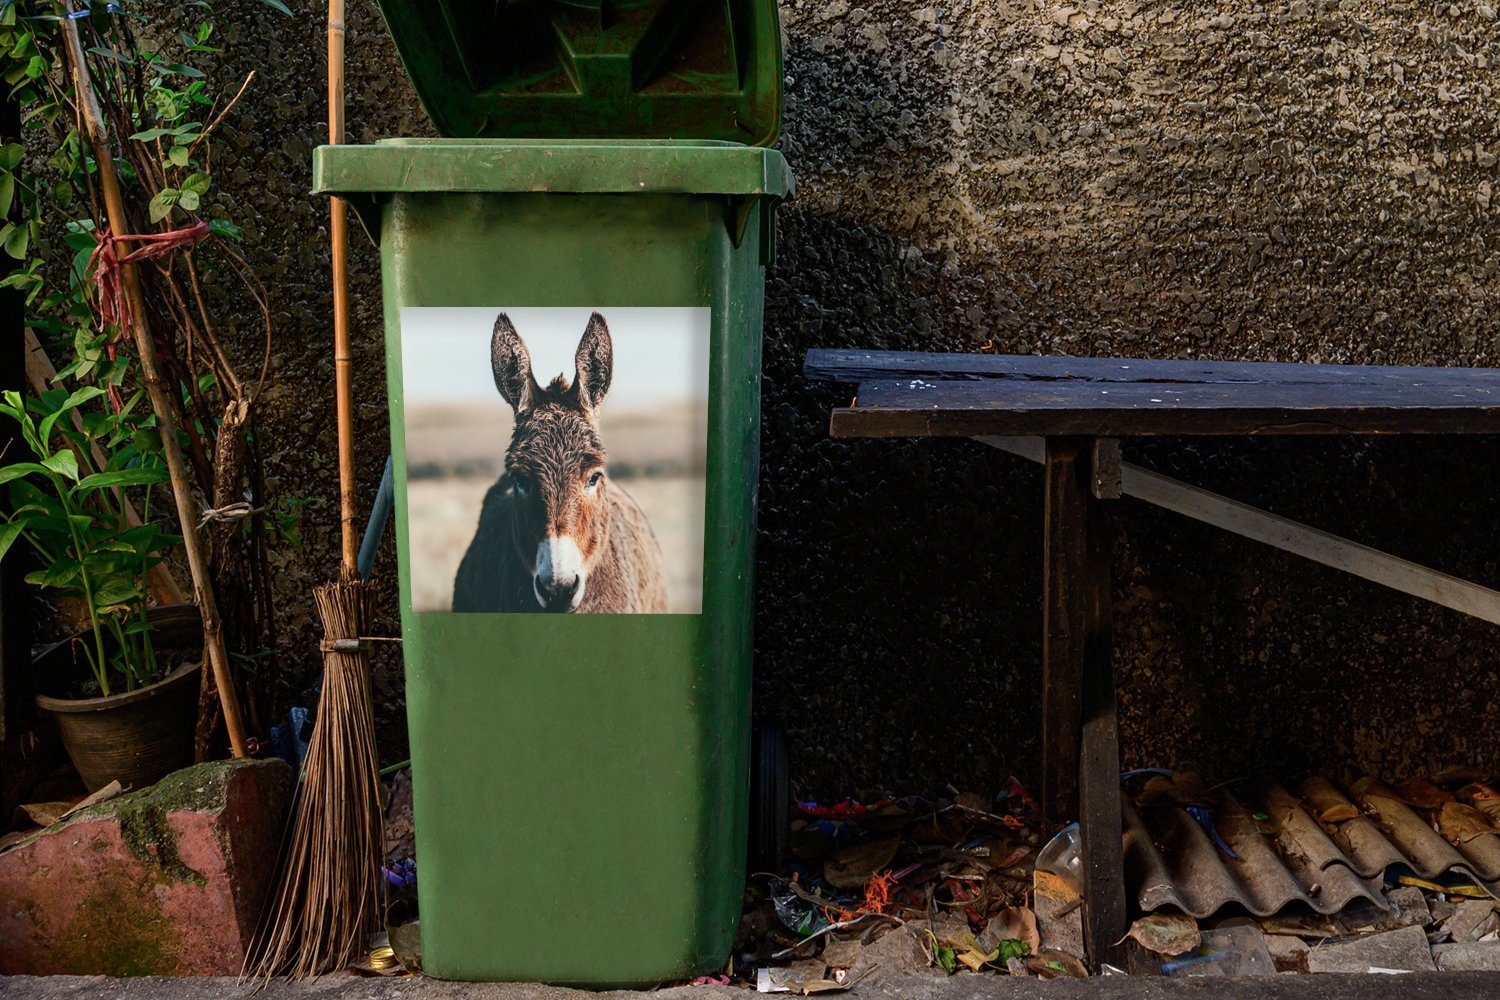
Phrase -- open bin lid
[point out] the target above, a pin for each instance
(578, 69)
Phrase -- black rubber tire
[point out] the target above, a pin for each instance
(770, 798)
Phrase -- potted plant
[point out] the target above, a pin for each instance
(125, 701)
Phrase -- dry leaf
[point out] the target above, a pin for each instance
(1423, 794)
(1338, 812)
(104, 794)
(1166, 933)
(1484, 798)
(1371, 787)
(1458, 774)
(1460, 824)
(1052, 964)
(1016, 923)
(45, 813)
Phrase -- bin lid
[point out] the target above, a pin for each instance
(630, 166)
(627, 69)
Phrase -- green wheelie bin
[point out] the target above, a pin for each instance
(573, 283)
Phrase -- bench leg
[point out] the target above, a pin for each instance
(1080, 735)
(1100, 826)
(1064, 576)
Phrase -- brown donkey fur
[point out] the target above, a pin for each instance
(555, 532)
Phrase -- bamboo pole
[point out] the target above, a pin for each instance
(343, 360)
(161, 401)
(40, 372)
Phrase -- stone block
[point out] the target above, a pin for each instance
(167, 881)
(1403, 950)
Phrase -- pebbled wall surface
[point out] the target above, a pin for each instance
(1299, 181)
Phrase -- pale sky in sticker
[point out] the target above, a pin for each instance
(660, 354)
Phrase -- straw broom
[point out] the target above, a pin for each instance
(327, 902)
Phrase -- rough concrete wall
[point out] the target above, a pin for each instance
(1301, 181)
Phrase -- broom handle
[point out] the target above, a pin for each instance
(338, 232)
(161, 403)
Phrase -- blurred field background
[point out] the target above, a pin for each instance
(456, 451)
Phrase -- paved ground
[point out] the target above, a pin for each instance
(1418, 986)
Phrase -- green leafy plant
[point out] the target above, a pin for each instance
(152, 76)
(75, 518)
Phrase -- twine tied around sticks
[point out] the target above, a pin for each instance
(229, 512)
(106, 262)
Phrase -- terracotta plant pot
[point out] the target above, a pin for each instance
(137, 737)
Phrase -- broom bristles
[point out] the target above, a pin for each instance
(327, 898)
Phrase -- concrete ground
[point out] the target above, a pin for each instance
(1416, 986)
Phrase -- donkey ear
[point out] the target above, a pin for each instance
(511, 365)
(595, 362)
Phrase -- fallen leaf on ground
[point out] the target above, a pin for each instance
(1460, 824)
(45, 813)
(1423, 794)
(1166, 933)
(820, 986)
(1054, 964)
(1339, 812)
(1484, 798)
(104, 794)
(1016, 923)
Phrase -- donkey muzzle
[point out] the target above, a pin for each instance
(560, 577)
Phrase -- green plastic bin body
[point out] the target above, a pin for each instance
(580, 781)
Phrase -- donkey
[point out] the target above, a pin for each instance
(555, 532)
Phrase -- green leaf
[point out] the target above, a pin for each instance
(7, 192)
(77, 398)
(59, 574)
(146, 441)
(17, 240)
(37, 67)
(177, 156)
(947, 958)
(161, 205)
(116, 592)
(122, 477)
(1011, 948)
(20, 469)
(223, 227)
(63, 463)
(106, 52)
(198, 183)
(277, 5)
(11, 155)
(9, 532)
(79, 235)
(188, 201)
(152, 133)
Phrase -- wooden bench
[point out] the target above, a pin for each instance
(1069, 414)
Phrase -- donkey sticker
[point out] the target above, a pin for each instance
(555, 532)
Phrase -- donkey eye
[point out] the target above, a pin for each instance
(596, 479)
(523, 488)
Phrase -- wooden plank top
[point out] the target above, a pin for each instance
(903, 394)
